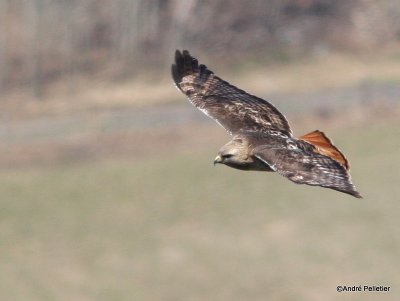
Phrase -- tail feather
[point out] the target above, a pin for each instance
(324, 146)
(334, 175)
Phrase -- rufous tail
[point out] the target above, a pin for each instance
(324, 146)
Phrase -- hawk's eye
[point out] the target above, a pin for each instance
(225, 156)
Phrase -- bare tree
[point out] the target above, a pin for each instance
(3, 44)
(33, 58)
(45, 40)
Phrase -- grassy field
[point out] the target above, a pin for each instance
(170, 226)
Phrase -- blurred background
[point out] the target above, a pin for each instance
(107, 186)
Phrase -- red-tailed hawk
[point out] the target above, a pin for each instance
(261, 136)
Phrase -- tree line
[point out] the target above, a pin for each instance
(43, 41)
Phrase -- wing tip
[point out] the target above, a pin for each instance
(353, 192)
(177, 68)
(184, 64)
(349, 187)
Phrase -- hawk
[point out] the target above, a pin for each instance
(261, 136)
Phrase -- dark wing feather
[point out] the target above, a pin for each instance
(231, 107)
(307, 168)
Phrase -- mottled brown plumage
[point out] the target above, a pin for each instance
(262, 138)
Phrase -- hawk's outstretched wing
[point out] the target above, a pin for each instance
(231, 107)
(308, 168)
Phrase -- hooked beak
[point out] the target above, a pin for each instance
(217, 159)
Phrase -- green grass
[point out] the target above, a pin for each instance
(176, 228)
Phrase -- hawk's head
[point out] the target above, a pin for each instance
(235, 154)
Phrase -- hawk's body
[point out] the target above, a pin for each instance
(262, 138)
